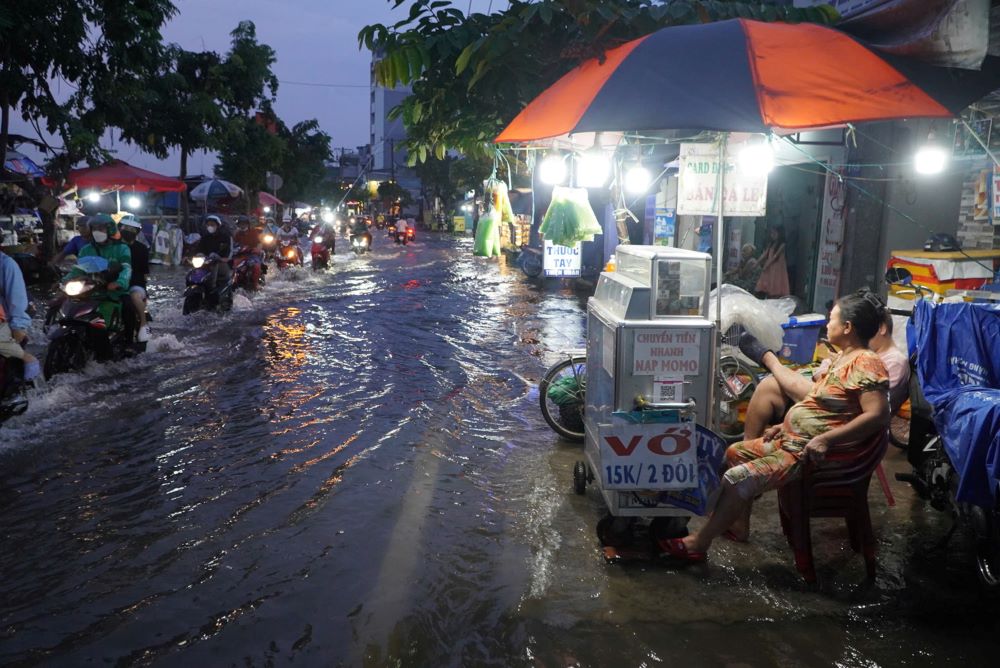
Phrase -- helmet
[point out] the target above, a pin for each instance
(243, 220)
(208, 219)
(107, 222)
(941, 242)
(131, 223)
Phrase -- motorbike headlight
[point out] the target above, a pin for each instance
(268, 238)
(318, 240)
(198, 261)
(74, 288)
(364, 241)
(290, 253)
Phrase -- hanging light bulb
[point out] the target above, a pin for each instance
(134, 202)
(553, 169)
(757, 159)
(592, 169)
(93, 196)
(637, 180)
(930, 158)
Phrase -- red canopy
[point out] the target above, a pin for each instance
(267, 199)
(118, 174)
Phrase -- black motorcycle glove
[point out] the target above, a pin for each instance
(752, 348)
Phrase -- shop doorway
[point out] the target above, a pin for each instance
(795, 202)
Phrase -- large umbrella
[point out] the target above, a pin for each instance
(267, 199)
(19, 163)
(119, 175)
(215, 189)
(746, 76)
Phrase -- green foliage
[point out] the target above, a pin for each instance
(104, 50)
(470, 75)
(303, 169)
(390, 191)
(247, 151)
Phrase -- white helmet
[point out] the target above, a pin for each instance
(130, 221)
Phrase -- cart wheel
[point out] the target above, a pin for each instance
(615, 531)
(580, 477)
(662, 528)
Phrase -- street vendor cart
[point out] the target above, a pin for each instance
(650, 381)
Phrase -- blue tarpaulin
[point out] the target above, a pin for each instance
(958, 363)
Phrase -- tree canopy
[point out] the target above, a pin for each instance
(103, 50)
(471, 74)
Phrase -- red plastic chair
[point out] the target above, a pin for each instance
(838, 488)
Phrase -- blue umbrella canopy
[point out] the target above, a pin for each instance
(215, 189)
(21, 164)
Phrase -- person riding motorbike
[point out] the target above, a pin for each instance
(401, 230)
(327, 231)
(360, 228)
(246, 237)
(130, 231)
(14, 319)
(106, 243)
(216, 240)
(74, 245)
(289, 234)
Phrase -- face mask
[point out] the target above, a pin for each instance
(99, 237)
(211, 229)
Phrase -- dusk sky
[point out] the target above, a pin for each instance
(316, 43)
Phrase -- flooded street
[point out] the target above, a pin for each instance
(352, 470)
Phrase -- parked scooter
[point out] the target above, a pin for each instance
(289, 255)
(89, 324)
(955, 429)
(197, 295)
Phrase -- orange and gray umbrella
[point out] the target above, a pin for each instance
(745, 76)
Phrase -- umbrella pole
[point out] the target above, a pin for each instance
(719, 241)
(118, 200)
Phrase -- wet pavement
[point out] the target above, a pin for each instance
(351, 469)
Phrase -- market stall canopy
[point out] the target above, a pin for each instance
(19, 163)
(745, 76)
(119, 175)
(215, 189)
(267, 199)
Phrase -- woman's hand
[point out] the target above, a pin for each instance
(772, 433)
(815, 450)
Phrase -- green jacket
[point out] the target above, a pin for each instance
(115, 251)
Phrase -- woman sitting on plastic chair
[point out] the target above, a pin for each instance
(846, 404)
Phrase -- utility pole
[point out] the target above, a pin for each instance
(392, 159)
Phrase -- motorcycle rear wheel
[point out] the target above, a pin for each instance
(64, 355)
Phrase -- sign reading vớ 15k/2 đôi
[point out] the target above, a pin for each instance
(666, 352)
(698, 183)
(648, 456)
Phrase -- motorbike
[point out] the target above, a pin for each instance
(361, 243)
(320, 251)
(197, 295)
(411, 235)
(269, 243)
(288, 254)
(12, 398)
(402, 237)
(88, 324)
(955, 417)
(248, 270)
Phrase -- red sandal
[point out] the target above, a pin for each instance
(675, 549)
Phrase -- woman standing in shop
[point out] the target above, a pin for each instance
(773, 281)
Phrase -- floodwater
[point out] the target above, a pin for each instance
(352, 470)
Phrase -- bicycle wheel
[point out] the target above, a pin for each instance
(736, 383)
(562, 397)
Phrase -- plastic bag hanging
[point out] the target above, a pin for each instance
(570, 218)
(487, 243)
(498, 196)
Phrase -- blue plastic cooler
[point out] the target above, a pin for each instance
(801, 334)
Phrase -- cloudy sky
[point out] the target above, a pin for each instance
(316, 43)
